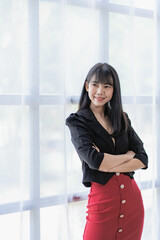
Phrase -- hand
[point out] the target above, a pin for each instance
(94, 146)
(131, 154)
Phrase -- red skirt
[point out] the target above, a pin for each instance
(115, 210)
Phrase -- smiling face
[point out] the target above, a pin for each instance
(99, 93)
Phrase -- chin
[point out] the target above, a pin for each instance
(98, 104)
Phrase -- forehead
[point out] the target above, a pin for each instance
(102, 79)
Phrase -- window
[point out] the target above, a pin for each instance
(46, 50)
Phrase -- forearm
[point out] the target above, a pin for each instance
(128, 166)
(112, 161)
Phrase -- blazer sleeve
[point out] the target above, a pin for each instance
(136, 145)
(81, 138)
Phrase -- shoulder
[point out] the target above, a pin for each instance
(78, 118)
(127, 119)
(127, 122)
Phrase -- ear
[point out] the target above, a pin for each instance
(86, 86)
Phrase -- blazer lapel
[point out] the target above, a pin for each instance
(96, 127)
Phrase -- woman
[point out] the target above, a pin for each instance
(110, 151)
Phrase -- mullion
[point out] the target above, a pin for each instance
(33, 23)
(104, 34)
(157, 92)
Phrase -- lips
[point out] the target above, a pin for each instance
(99, 98)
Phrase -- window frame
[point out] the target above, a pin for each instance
(34, 101)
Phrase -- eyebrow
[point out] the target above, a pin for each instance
(94, 81)
(107, 83)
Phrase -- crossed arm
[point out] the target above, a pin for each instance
(120, 163)
(82, 140)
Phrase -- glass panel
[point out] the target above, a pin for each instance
(52, 150)
(151, 198)
(70, 46)
(121, 2)
(11, 224)
(54, 223)
(13, 31)
(145, 4)
(144, 49)
(136, 77)
(51, 47)
(119, 50)
(69, 227)
(77, 219)
(13, 158)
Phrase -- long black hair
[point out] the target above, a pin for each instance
(105, 73)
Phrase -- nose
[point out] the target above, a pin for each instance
(100, 89)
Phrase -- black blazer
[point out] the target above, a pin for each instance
(86, 130)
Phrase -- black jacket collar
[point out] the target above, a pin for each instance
(95, 125)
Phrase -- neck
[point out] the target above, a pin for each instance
(97, 110)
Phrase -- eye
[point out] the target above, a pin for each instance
(107, 86)
(94, 84)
